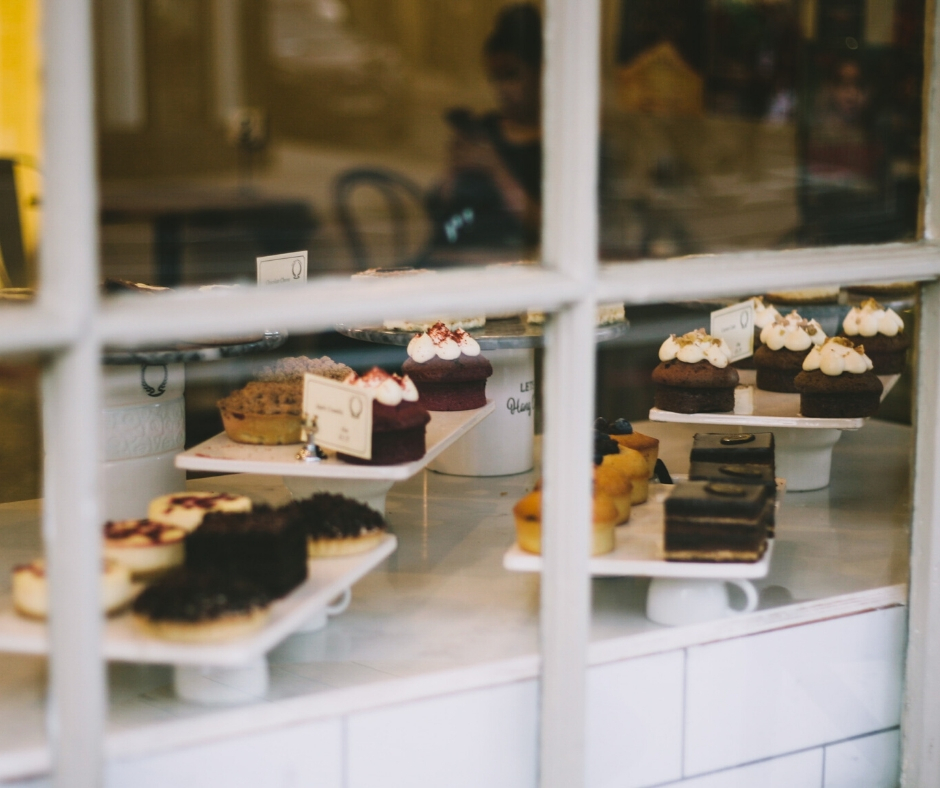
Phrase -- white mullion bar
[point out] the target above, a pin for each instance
(71, 398)
(920, 723)
(25, 329)
(329, 301)
(746, 273)
(569, 244)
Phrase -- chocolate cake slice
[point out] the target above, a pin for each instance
(267, 546)
(738, 473)
(716, 522)
(743, 447)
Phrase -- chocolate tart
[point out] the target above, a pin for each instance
(337, 525)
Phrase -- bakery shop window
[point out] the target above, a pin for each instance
(370, 135)
(771, 125)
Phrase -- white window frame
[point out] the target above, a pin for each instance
(68, 324)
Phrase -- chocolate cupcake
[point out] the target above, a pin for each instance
(882, 331)
(448, 369)
(398, 419)
(837, 382)
(785, 343)
(695, 375)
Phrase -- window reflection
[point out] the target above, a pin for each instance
(738, 124)
(371, 133)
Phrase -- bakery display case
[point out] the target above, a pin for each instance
(582, 541)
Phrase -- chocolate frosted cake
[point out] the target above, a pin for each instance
(398, 419)
(448, 369)
(266, 546)
(738, 473)
(882, 332)
(837, 382)
(717, 522)
(695, 375)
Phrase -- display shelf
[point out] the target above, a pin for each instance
(442, 615)
(224, 455)
(638, 551)
(327, 579)
(771, 410)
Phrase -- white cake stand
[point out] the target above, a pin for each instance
(504, 444)
(803, 446)
(681, 592)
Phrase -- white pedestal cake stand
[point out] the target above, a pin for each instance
(504, 445)
(217, 673)
(803, 446)
(681, 592)
(366, 483)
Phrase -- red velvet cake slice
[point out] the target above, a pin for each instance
(398, 419)
(448, 369)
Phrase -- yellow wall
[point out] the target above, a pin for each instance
(20, 105)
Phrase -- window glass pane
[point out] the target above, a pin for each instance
(370, 134)
(733, 125)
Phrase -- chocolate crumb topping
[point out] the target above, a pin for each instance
(185, 595)
(329, 516)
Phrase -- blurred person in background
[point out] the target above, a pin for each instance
(491, 194)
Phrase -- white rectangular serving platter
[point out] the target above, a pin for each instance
(123, 641)
(638, 551)
(223, 454)
(771, 409)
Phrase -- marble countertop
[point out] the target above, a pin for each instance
(441, 614)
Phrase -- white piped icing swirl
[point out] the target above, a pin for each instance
(872, 318)
(388, 389)
(793, 333)
(837, 355)
(440, 342)
(764, 314)
(694, 347)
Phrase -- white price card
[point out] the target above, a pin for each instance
(283, 269)
(735, 325)
(344, 415)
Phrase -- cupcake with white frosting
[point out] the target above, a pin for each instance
(448, 369)
(764, 315)
(882, 332)
(837, 382)
(398, 419)
(695, 374)
(785, 343)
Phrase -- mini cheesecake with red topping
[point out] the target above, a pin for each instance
(145, 547)
(398, 419)
(186, 509)
(448, 369)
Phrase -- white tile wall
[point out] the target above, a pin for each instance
(294, 757)
(801, 770)
(634, 724)
(470, 740)
(756, 697)
(869, 762)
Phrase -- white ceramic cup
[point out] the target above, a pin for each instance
(678, 601)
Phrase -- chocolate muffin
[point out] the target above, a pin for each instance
(447, 369)
(784, 345)
(882, 331)
(837, 382)
(399, 421)
(694, 375)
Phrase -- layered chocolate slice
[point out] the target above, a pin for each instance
(744, 447)
(738, 473)
(717, 522)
